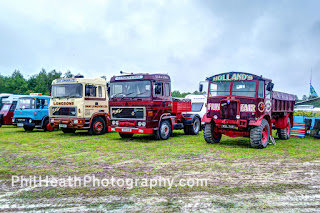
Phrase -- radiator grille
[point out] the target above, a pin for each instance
(229, 110)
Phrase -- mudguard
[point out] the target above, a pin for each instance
(188, 118)
(205, 119)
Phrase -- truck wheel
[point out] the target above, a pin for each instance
(193, 129)
(260, 135)
(98, 126)
(284, 134)
(47, 126)
(68, 130)
(164, 131)
(125, 135)
(209, 135)
(28, 128)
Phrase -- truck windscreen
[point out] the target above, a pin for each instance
(244, 88)
(219, 89)
(130, 89)
(25, 103)
(67, 91)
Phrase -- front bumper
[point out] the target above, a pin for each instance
(69, 123)
(148, 131)
(238, 123)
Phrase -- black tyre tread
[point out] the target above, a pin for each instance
(192, 132)
(208, 136)
(125, 135)
(187, 130)
(282, 133)
(255, 135)
(157, 134)
(92, 132)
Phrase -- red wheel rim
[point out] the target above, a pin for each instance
(166, 129)
(215, 134)
(288, 130)
(49, 127)
(264, 135)
(97, 126)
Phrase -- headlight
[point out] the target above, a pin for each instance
(52, 120)
(113, 122)
(139, 123)
(143, 123)
(12, 120)
(238, 117)
(30, 121)
(117, 122)
(215, 117)
(75, 121)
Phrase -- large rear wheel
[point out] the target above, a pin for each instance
(260, 135)
(210, 135)
(194, 128)
(284, 134)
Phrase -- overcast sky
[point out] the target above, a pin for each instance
(190, 40)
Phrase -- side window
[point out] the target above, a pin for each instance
(13, 106)
(99, 91)
(261, 89)
(167, 89)
(41, 103)
(91, 90)
(158, 88)
(268, 93)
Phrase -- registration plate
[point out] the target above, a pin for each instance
(63, 125)
(19, 124)
(126, 130)
(228, 126)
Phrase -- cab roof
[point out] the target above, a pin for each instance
(141, 76)
(36, 96)
(235, 76)
(79, 80)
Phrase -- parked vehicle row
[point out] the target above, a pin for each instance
(237, 104)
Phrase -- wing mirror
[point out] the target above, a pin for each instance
(270, 86)
(200, 87)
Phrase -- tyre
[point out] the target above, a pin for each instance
(47, 127)
(28, 128)
(98, 126)
(68, 130)
(164, 131)
(193, 129)
(125, 135)
(260, 135)
(284, 134)
(209, 135)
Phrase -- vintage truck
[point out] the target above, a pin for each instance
(32, 112)
(142, 103)
(79, 104)
(9, 104)
(243, 104)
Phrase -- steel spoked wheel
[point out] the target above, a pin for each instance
(98, 126)
(164, 130)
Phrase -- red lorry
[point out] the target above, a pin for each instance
(142, 103)
(245, 105)
(6, 113)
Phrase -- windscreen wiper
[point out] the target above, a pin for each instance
(139, 94)
(127, 95)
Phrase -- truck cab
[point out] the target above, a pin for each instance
(198, 105)
(79, 104)
(244, 104)
(142, 103)
(9, 103)
(32, 112)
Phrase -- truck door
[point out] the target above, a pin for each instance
(41, 108)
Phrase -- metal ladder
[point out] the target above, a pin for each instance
(273, 141)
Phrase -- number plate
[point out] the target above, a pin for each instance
(126, 130)
(63, 125)
(227, 126)
(19, 124)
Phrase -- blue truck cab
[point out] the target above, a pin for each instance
(32, 112)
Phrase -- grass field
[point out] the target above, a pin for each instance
(282, 177)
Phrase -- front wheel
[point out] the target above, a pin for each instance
(194, 128)
(260, 135)
(210, 135)
(47, 126)
(125, 135)
(284, 134)
(164, 131)
(98, 126)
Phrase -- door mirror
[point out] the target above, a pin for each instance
(200, 87)
(270, 86)
(158, 89)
